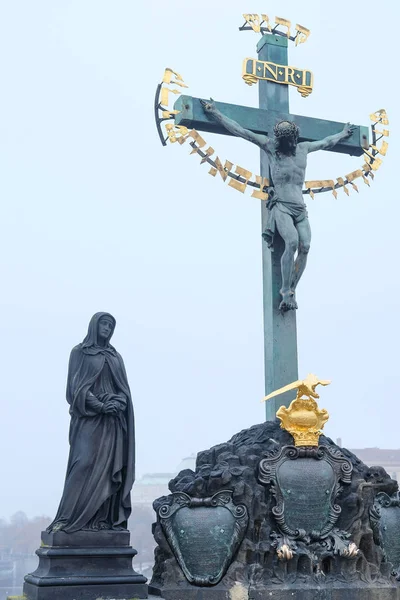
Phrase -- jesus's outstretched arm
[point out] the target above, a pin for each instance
(330, 141)
(233, 127)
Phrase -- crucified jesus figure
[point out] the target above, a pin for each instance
(287, 212)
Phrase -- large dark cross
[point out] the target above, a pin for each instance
(280, 336)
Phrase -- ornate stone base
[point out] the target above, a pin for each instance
(86, 565)
(296, 592)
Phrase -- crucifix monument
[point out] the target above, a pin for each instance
(285, 140)
(287, 213)
(278, 510)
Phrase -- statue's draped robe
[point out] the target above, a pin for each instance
(297, 210)
(101, 465)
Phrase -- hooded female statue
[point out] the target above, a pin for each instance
(101, 464)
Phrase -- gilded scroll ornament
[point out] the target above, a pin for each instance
(255, 70)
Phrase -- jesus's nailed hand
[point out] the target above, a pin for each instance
(348, 130)
(208, 105)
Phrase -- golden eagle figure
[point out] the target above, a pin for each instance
(305, 387)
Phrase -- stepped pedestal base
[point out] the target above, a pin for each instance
(87, 565)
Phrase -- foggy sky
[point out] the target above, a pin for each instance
(97, 215)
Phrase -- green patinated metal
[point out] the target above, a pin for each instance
(280, 336)
(192, 115)
(280, 332)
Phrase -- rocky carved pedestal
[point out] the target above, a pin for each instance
(284, 522)
(85, 565)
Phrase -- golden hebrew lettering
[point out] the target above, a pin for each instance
(176, 133)
(374, 162)
(261, 22)
(265, 19)
(302, 34)
(198, 139)
(180, 83)
(170, 128)
(168, 74)
(380, 116)
(383, 149)
(319, 183)
(385, 132)
(260, 195)
(183, 134)
(262, 183)
(168, 114)
(367, 168)
(241, 187)
(209, 152)
(368, 155)
(164, 96)
(180, 133)
(285, 23)
(214, 170)
(340, 181)
(352, 176)
(164, 101)
(222, 170)
(254, 21)
(329, 183)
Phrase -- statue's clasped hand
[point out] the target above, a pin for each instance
(114, 405)
(110, 407)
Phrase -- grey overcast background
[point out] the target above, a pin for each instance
(97, 215)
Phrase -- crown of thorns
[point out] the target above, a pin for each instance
(286, 128)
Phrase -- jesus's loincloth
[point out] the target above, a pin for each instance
(296, 210)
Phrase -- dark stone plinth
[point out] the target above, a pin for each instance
(325, 546)
(85, 566)
(86, 539)
(322, 592)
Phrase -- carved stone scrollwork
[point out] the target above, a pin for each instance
(203, 533)
(385, 524)
(305, 483)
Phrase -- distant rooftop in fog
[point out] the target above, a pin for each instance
(187, 463)
(160, 478)
(378, 456)
(154, 485)
(155, 478)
